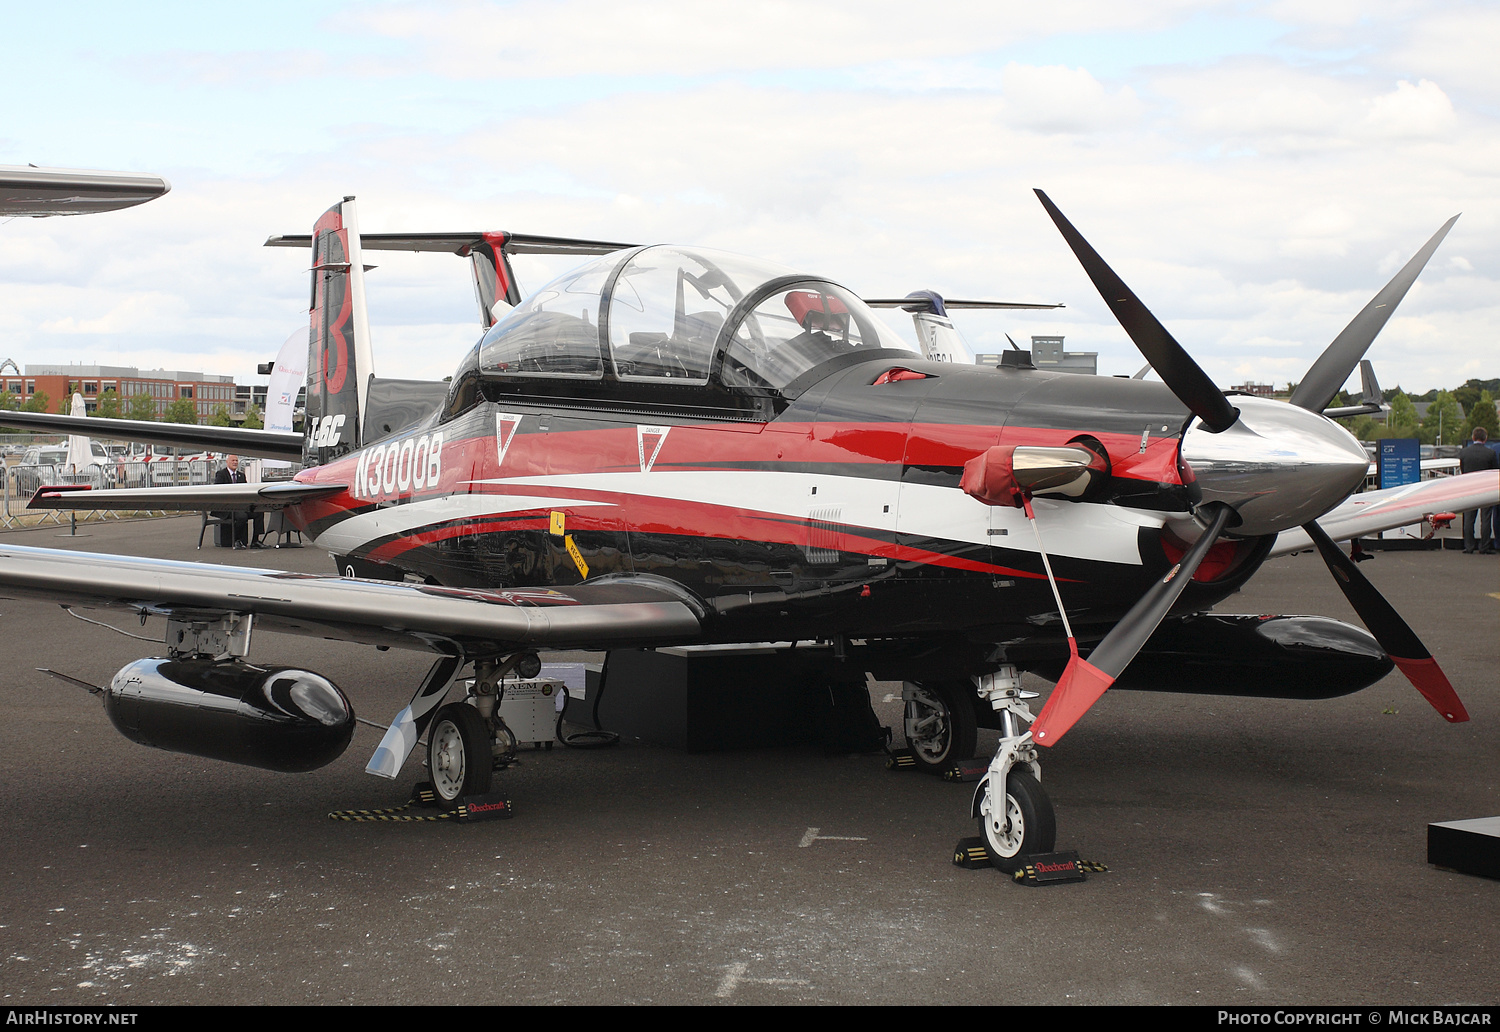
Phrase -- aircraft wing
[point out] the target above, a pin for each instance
(411, 616)
(460, 243)
(1373, 511)
(207, 498)
(37, 192)
(261, 444)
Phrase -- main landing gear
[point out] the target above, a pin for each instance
(467, 741)
(940, 725)
(1015, 816)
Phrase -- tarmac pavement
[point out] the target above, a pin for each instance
(1260, 851)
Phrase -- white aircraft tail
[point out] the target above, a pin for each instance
(940, 339)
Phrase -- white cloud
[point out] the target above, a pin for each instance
(1412, 111)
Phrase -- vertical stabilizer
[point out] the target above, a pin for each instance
(339, 360)
(494, 282)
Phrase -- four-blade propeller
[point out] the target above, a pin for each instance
(1296, 444)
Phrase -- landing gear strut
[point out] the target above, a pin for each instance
(1015, 816)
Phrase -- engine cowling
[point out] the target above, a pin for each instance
(276, 718)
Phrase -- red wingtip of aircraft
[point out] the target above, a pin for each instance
(1429, 679)
(1079, 688)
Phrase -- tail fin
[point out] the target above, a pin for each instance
(494, 281)
(339, 361)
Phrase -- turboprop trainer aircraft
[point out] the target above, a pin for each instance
(673, 445)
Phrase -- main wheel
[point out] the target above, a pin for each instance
(459, 759)
(940, 725)
(1027, 825)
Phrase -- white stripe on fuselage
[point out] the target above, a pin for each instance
(360, 529)
(1106, 533)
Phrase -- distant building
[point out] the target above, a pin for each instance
(207, 391)
(1260, 390)
(1048, 353)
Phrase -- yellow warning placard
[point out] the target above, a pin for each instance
(559, 524)
(583, 567)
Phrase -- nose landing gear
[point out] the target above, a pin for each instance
(1015, 816)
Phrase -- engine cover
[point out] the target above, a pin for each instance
(276, 718)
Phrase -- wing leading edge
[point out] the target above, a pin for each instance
(410, 616)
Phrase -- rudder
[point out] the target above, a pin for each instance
(339, 360)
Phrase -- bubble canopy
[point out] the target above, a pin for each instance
(681, 316)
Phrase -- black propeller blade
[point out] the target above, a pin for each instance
(1170, 360)
(1083, 681)
(1330, 372)
(1394, 634)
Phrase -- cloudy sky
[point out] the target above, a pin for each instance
(1255, 170)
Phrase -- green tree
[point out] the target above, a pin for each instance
(8, 401)
(1444, 421)
(253, 420)
(183, 410)
(142, 407)
(220, 416)
(1482, 413)
(38, 402)
(1401, 420)
(109, 405)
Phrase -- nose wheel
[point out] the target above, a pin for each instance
(1022, 824)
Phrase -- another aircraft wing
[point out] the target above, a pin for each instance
(1374, 511)
(207, 498)
(410, 616)
(261, 444)
(28, 190)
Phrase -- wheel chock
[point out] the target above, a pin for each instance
(969, 770)
(1048, 868)
(492, 806)
(971, 854)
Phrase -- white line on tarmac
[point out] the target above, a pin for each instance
(813, 836)
(734, 976)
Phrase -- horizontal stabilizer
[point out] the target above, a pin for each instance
(234, 440)
(207, 498)
(462, 243)
(923, 304)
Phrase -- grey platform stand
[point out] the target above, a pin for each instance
(712, 697)
(1472, 846)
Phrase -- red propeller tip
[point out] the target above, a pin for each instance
(1079, 688)
(1430, 680)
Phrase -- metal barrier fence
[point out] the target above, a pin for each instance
(21, 482)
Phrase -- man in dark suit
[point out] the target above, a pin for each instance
(1477, 456)
(232, 474)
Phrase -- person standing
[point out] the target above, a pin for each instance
(1475, 457)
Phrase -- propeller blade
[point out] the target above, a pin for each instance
(1170, 360)
(1394, 634)
(1331, 371)
(1083, 681)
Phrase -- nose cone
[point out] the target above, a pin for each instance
(1278, 466)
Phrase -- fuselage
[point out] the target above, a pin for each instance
(839, 515)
